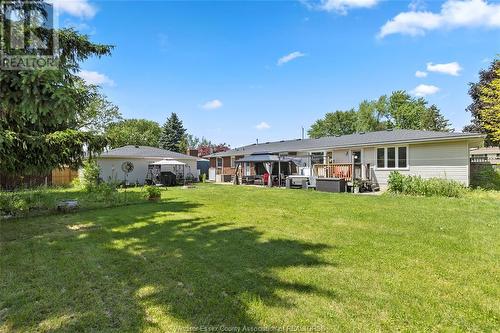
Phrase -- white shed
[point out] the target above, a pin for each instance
(138, 158)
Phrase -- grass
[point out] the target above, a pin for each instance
(43, 201)
(256, 257)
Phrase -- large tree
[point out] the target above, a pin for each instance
(139, 132)
(173, 135)
(334, 123)
(39, 108)
(99, 112)
(485, 104)
(399, 110)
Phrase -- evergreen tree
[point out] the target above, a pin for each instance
(41, 110)
(433, 120)
(173, 135)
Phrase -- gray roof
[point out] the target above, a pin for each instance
(346, 141)
(144, 152)
(486, 150)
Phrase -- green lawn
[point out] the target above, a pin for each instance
(256, 257)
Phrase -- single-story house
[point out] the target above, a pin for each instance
(367, 156)
(138, 159)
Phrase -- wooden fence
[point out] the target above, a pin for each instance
(58, 177)
(64, 176)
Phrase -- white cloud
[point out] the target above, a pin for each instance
(262, 126)
(417, 5)
(453, 14)
(452, 68)
(339, 6)
(212, 105)
(289, 57)
(343, 5)
(424, 89)
(96, 78)
(420, 74)
(80, 8)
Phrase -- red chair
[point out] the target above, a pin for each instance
(265, 177)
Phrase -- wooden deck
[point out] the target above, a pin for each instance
(334, 170)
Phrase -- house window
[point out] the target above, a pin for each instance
(392, 157)
(380, 158)
(247, 169)
(402, 157)
(317, 158)
(219, 162)
(232, 162)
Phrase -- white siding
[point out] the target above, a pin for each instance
(341, 156)
(111, 168)
(448, 160)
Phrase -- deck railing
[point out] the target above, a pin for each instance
(335, 170)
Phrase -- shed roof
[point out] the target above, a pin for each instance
(166, 161)
(346, 141)
(144, 152)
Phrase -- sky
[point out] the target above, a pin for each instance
(238, 71)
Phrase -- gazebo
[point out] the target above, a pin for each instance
(167, 165)
(268, 160)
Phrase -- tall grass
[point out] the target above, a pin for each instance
(416, 185)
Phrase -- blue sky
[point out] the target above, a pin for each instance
(217, 64)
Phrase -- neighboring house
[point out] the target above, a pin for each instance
(111, 162)
(485, 154)
(371, 156)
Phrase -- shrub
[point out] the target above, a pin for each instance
(415, 185)
(90, 179)
(395, 182)
(152, 192)
(203, 177)
(13, 204)
(76, 183)
(486, 177)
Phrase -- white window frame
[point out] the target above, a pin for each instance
(233, 165)
(247, 168)
(396, 148)
(217, 162)
(316, 153)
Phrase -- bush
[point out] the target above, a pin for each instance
(486, 178)
(90, 179)
(76, 183)
(20, 203)
(395, 182)
(203, 178)
(152, 192)
(415, 185)
(13, 204)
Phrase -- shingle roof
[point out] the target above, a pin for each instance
(486, 150)
(144, 152)
(345, 141)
